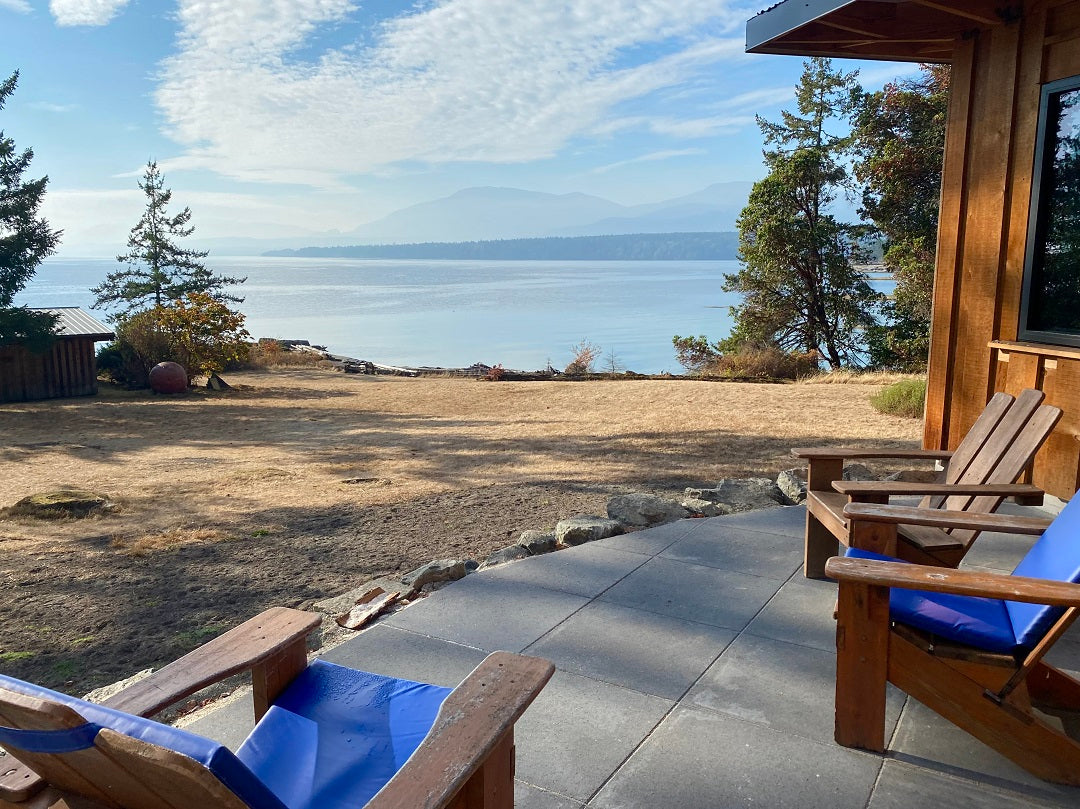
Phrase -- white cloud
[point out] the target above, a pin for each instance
(18, 6)
(892, 71)
(765, 97)
(664, 154)
(460, 80)
(84, 12)
(97, 221)
(48, 106)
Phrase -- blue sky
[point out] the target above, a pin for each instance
(275, 118)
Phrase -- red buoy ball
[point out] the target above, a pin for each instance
(168, 377)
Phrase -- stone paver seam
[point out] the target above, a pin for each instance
(429, 637)
(733, 517)
(697, 523)
(667, 713)
(572, 800)
(751, 633)
(645, 561)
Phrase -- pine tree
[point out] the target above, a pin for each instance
(900, 142)
(25, 239)
(799, 286)
(157, 270)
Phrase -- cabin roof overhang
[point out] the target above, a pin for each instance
(71, 321)
(896, 30)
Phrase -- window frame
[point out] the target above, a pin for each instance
(1037, 223)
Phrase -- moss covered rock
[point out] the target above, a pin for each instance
(60, 503)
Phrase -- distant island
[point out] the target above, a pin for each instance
(719, 246)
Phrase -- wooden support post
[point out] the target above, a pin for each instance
(862, 649)
(878, 537)
(820, 544)
(268, 679)
(492, 785)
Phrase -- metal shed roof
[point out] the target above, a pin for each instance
(74, 322)
(900, 30)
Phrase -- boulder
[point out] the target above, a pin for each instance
(511, 553)
(858, 471)
(704, 508)
(643, 510)
(346, 601)
(742, 494)
(61, 503)
(792, 482)
(536, 542)
(437, 570)
(585, 528)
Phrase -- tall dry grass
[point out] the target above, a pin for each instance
(848, 377)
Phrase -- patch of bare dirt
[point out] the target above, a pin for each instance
(231, 502)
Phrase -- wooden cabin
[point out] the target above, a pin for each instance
(1007, 285)
(69, 368)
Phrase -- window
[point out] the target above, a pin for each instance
(1050, 306)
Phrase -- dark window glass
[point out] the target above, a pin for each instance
(1051, 307)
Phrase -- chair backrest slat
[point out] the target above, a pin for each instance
(68, 771)
(178, 782)
(1009, 467)
(126, 763)
(976, 437)
(982, 463)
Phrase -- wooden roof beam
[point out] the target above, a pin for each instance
(986, 12)
(850, 29)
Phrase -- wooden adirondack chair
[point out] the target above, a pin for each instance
(979, 474)
(969, 645)
(327, 736)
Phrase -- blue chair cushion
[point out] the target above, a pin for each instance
(1056, 555)
(980, 622)
(216, 758)
(335, 736)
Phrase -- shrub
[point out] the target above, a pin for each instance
(906, 398)
(272, 354)
(752, 361)
(138, 347)
(495, 373)
(585, 354)
(199, 332)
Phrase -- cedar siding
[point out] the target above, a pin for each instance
(69, 368)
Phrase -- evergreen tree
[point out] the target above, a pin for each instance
(25, 239)
(900, 142)
(800, 288)
(157, 270)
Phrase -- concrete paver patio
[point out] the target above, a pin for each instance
(694, 669)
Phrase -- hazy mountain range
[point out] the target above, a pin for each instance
(710, 246)
(479, 214)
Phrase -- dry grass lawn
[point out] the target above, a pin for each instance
(233, 501)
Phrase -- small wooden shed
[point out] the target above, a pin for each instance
(1007, 284)
(69, 368)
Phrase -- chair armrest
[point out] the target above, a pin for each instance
(244, 647)
(255, 642)
(813, 453)
(944, 518)
(958, 582)
(854, 488)
(472, 721)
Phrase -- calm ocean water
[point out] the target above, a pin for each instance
(454, 313)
